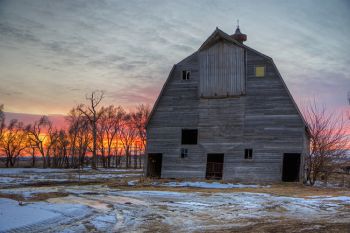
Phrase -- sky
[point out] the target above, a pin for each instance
(52, 53)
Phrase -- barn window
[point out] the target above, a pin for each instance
(259, 71)
(184, 153)
(186, 74)
(189, 136)
(248, 154)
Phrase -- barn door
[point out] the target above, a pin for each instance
(215, 166)
(291, 167)
(155, 165)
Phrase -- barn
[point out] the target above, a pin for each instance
(225, 112)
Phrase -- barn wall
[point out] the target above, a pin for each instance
(264, 119)
(177, 109)
(272, 126)
(222, 70)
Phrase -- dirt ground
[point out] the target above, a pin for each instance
(110, 202)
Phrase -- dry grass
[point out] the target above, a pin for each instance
(289, 226)
(35, 197)
(15, 197)
(45, 196)
(280, 189)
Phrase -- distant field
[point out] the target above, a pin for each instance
(120, 200)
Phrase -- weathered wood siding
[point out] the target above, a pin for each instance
(264, 119)
(272, 126)
(222, 70)
(177, 109)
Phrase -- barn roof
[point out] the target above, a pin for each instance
(212, 39)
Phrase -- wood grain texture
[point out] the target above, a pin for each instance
(264, 118)
(222, 70)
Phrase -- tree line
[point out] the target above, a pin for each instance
(109, 136)
(96, 135)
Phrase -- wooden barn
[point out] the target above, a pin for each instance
(225, 112)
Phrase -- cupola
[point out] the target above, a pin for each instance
(238, 36)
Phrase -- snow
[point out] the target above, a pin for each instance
(132, 182)
(9, 171)
(103, 208)
(333, 184)
(164, 194)
(4, 179)
(339, 198)
(10, 177)
(199, 184)
(13, 216)
(197, 211)
(12, 171)
(102, 222)
(107, 176)
(28, 192)
(115, 170)
(213, 185)
(131, 210)
(96, 204)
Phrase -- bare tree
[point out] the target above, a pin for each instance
(13, 142)
(328, 141)
(139, 119)
(39, 135)
(78, 136)
(93, 114)
(60, 149)
(109, 127)
(31, 147)
(128, 135)
(2, 120)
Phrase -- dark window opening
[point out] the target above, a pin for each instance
(184, 153)
(186, 75)
(248, 154)
(189, 136)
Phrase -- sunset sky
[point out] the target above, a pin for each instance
(54, 52)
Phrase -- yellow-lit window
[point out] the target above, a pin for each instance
(259, 71)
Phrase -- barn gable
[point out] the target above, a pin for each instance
(220, 40)
(222, 70)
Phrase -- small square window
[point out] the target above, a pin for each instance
(189, 136)
(248, 154)
(260, 71)
(186, 74)
(184, 153)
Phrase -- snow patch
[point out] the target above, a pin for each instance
(103, 222)
(9, 171)
(214, 185)
(13, 216)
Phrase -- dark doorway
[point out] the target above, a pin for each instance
(215, 166)
(291, 166)
(155, 165)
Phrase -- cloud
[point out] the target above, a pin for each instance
(20, 35)
(54, 52)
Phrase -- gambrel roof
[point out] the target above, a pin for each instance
(211, 40)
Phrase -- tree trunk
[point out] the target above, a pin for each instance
(44, 161)
(7, 162)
